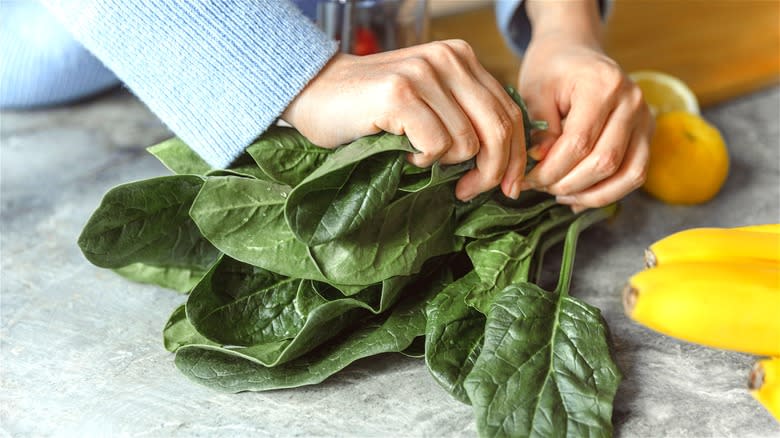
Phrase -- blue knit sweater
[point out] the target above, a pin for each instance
(217, 72)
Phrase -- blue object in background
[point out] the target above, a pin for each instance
(40, 63)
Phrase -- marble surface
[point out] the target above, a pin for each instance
(81, 352)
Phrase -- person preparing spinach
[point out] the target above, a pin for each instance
(220, 72)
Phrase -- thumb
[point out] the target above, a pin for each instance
(542, 106)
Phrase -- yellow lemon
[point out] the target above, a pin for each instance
(664, 93)
(689, 161)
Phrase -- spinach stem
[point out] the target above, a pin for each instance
(585, 220)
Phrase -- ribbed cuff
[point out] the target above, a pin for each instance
(217, 72)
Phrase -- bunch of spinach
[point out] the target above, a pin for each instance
(300, 260)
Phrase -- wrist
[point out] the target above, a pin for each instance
(575, 21)
(298, 109)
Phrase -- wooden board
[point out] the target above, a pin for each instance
(721, 48)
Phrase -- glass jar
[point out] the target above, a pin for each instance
(370, 26)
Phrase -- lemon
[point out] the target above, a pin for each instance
(664, 93)
(688, 162)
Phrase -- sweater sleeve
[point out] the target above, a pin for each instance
(217, 72)
(513, 22)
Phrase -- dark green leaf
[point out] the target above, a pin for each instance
(243, 218)
(351, 187)
(224, 370)
(438, 174)
(285, 156)
(179, 158)
(148, 222)
(178, 332)
(240, 304)
(453, 335)
(545, 368)
(178, 279)
(396, 242)
(492, 218)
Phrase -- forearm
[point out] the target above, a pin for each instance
(217, 72)
(577, 20)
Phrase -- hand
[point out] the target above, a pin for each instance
(437, 94)
(596, 149)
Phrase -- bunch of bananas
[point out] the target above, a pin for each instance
(717, 287)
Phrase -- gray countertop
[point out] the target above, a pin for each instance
(81, 352)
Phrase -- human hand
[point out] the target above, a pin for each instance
(596, 148)
(438, 94)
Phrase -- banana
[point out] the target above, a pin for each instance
(716, 244)
(764, 384)
(723, 305)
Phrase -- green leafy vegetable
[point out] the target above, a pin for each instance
(545, 366)
(285, 156)
(179, 158)
(300, 260)
(178, 279)
(148, 222)
(350, 188)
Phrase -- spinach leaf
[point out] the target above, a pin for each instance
(240, 304)
(179, 332)
(224, 370)
(243, 218)
(396, 242)
(438, 174)
(453, 336)
(507, 259)
(545, 366)
(179, 279)
(348, 189)
(493, 218)
(148, 222)
(285, 156)
(179, 158)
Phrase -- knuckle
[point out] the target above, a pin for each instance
(637, 176)
(608, 163)
(399, 88)
(579, 145)
(503, 127)
(635, 98)
(470, 144)
(442, 51)
(461, 47)
(419, 68)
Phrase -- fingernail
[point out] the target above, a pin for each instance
(465, 197)
(565, 199)
(535, 153)
(578, 209)
(514, 191)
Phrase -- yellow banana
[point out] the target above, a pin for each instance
(715, 244)
(762, 228)
(764, 384)
(722, 305)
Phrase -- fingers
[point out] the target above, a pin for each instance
(410, 115)
(499, 126)
(583, 125)
(609, 151)
(452, 110)
(542, 106)
(630, 176)
(463, 142)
